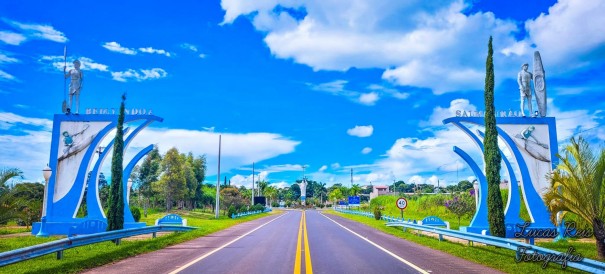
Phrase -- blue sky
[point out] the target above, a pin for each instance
(333, 86)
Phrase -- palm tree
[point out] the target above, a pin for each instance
(578, 187)
(355, 189)
(271, 193)
(320, 190)
(8, 204)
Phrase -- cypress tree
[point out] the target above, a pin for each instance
(491, 154)
(115, 216)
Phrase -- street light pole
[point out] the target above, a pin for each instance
(252, 194)
(46, 172)
(218, 179)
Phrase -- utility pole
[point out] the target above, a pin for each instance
(252, 202)
(351, 177)
(218, 179)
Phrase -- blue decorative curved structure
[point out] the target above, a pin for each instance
(535, 206)
(513, 204)
(479, 221)
(129, 221)
(93, 202)
(60, 210)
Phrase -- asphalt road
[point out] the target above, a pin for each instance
(296, 242)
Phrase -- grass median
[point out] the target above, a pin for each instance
(497, 258)
(90, 256)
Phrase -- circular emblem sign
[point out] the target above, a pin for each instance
(402, 203)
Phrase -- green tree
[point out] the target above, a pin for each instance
(355, 189)
(173, 182)
(148, 174)
(188, 198)
(465, 185)
(336, 195)
(320, 191)
(199, 168)
(461, 205)
(577, 186)
(271, 193)
(115, 214)
(492, 158)
(8, 203)
(230, 196)
(30, 197)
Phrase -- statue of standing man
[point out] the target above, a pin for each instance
(75, 85)
(523, 79)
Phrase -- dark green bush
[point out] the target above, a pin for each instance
(231, 211)
(377, 213)
(136, 213)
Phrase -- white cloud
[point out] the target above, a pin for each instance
(31, 31)
(116, 47)
(414, 50)
(6, 77)
(7, 59)
(145, 74)
(335, 166)
(368, 98)
(366, 150)
(156, 51)
(569, 34)
(361, 131)
(439, 113)
(281, 184)
(57, 62)
(202, 55)
(389, 91)
(283, 168)
(189, 47)
(338, 88)
(25, 144)
(236, 149)
(323, 168)
(12, 38)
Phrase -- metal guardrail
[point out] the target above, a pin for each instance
(585, 264)
(248, 213)
(58, 246)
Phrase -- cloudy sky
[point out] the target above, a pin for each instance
(329, 85)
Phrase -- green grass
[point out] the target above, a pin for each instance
(89, 256)
(497, 258)
(13, 230)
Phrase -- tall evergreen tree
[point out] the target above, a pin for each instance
(491, 154)
(115, 215)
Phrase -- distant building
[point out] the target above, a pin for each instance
(379, 190)
(504, 184)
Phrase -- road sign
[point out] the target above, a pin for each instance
(353, 200)
(402, 203)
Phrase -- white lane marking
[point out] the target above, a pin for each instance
(380, 247)
(221, 247)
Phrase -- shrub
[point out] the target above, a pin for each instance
(461, 205)
(136, 213)
(377, 213)
(257, 207)
(275, 204)
(231, 211)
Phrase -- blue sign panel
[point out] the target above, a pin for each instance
(353, 200)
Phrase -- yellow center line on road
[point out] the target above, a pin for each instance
(417, 268)
(223, 246)
(298, 246)
(308, 265)
(302, 231)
